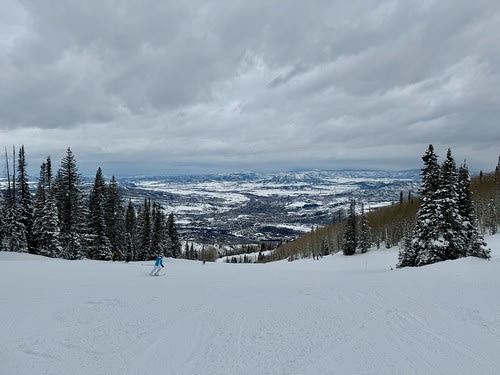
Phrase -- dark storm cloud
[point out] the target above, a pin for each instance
(290, 84)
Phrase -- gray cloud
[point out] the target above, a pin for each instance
(259, 85)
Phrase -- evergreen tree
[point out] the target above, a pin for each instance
(406, 245)
(71, 211)
(48, 172)
(42, 189)
(445, 227)
(174, 246)
(100, 247)
(14, 238)
(24, 200)
(450, 224)
(144, 231)
(130, 232)
(46, 222)
(425, 240)
(474, 242)
(48, 237)
(364, 236)
(38, 207)
(158, 240)
(14, 231)
(115, 219)
(350, 240)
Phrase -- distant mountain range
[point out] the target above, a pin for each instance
(251, 207)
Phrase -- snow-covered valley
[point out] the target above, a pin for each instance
(337, 315)
(250, 207)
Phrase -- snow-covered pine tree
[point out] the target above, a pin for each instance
(48, 171)
(48, 238)
(350, 240)
(46, 230)
(174, 244)
(71, 211)
(451, 237)
(100, 247)
(405, 247)
(14, 231)
(14, 238)
(158, 238)
(115, 218)
(446, 226)
(24, 199)
(425, 234)
(364, 242)
(426, 242)
(144, 231)
(130, 231)
(38, 207)
(42, 190)
(474, 241)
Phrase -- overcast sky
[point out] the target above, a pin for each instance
(168, 87)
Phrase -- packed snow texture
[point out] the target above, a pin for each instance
(337, 315)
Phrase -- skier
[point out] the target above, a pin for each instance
(158, 266)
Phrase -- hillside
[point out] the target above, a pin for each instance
(342, 315)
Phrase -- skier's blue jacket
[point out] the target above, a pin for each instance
(159, 262)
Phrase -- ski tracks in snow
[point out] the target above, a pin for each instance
(410, 325)
(336, 316)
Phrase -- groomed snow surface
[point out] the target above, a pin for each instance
(338, 315)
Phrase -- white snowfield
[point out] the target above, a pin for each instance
(339, 315)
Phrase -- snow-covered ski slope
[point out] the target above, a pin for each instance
(339, 315)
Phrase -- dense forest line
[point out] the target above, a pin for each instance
(393, 225)
(61, 221)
